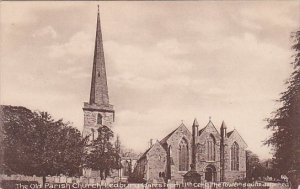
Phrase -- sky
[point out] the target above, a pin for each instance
(167, 63)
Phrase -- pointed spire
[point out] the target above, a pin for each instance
(223, 126)
(99, 90)
(195, 123)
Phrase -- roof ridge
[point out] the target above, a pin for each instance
(169, 135)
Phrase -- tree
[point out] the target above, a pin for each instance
(36, 144)
(128, 152)
(18, 127)
(118, 152)
(103, 156)
(270, 170)
(254, 168)
(285, 122)
(1, 143)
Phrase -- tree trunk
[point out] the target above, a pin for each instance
(101, 174)
(293, 180)
(106, 173)
(44, 181)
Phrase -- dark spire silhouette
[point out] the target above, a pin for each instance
(223, 126)
(195, 123)
(99, 89)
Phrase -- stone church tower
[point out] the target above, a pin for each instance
(98, 111)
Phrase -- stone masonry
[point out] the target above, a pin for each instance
(97, 112)
(208, 142)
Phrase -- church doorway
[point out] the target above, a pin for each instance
(210, 173)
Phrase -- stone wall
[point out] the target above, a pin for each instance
(173, 141)
(157, 158)
(90, 121)
(60, 179)
(231, 175)
(152, 165)
(202, 160)
(140, 170)
(21, 178)
(90, 118)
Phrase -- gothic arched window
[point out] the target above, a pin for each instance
(183, 155)
(211, 148)
(99, 119)
(234, 154)
(171, 155)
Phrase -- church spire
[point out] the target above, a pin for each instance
(99, 89)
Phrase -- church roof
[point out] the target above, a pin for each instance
(237, 134)
(208, 124)
(145, 153)
(164, 140)
(201, 130)
(229, 133)
(99, 89)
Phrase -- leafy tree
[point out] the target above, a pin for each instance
(270, 170)
(254, 168)
(36, 144)
(1, 143)
(118, 144)
(118, 152)
(127, 152)
(103, 156)
(285, 122)
(18, 127)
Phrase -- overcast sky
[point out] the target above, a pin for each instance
(165, 61)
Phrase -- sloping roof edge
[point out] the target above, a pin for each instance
(234, 130)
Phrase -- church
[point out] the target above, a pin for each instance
(214, 155)
(98, 111)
